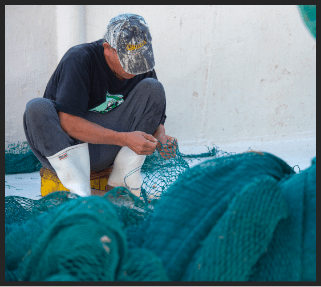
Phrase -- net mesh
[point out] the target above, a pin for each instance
(309, 16)
(232, 217)
(20, 159)
(161, 169)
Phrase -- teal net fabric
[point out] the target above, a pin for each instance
(243, 217)
(20, 159)
(309, 16)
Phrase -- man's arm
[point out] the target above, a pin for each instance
(86, 131)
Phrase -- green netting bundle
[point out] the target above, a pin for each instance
(245, 217)
(81, 239)
(309, 15)
(20, 159)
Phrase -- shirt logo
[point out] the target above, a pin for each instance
(112, 101)
(131, 47)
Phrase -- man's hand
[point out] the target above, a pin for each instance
(166, 145)
(141, 143)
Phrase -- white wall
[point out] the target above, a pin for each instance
(230, 73)
(30, 59)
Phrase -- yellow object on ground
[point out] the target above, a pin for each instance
(51, 183)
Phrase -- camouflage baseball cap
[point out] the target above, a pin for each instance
(129, 35)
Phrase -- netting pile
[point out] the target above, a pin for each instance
(242, 217)
(309, 16)
(20, 159)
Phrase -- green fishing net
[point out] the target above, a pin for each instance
(241, 217)
(20, 159)
(309, 16)
(161, 169)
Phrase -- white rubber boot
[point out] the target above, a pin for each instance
(72, 166)
(125, 162)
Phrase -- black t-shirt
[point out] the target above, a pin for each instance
(83, 78)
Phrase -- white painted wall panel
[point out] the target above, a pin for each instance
(30, 59)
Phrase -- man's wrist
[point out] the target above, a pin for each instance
(122, 138)
(160, 131)
(160, 134)
(112, 137)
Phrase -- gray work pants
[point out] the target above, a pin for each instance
(143, 110)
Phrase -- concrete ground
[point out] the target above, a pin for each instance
(297, 153)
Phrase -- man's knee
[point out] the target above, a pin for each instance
(150, 86)
(38, 109)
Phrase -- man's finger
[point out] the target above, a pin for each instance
(149, 146)
(150, 138)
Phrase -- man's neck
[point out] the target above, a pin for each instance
(118, 76)
(110, 67)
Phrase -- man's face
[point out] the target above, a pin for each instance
(114, 63)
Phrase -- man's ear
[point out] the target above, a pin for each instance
(108, 49)
(106, 46)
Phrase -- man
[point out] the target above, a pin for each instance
(103, 96)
